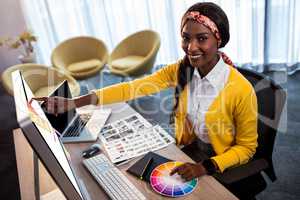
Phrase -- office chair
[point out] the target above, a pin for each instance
(271, 99)
(135, 55)
(81, 57)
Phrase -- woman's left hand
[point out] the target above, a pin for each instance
(188, 171)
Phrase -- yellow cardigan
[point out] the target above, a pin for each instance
(231, 119)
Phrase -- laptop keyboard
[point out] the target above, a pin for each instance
(78, 124)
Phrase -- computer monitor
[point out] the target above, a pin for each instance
(43, 140)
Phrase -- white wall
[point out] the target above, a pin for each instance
(12, 23)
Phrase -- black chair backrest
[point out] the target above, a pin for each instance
(271, 99)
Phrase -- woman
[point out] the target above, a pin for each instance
(215, 107)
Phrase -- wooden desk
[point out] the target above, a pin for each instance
(208, 187)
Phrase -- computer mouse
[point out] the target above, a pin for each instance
(91, 151)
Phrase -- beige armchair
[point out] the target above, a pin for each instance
(135, 55)
(80, 56)
(41, 79)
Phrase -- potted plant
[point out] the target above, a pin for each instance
(25, 40)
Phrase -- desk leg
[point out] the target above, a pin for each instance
(36, 174)
(33, 186)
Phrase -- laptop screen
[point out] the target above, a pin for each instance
(42, 137)
(61, 121)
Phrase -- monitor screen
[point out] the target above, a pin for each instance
(43, 139)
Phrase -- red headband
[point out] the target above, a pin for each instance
(202, 19)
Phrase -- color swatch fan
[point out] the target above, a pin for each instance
(172, 186)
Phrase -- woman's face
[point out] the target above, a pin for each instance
(200, 45)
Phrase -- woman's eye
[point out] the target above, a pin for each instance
(185, 39)
(202, 38)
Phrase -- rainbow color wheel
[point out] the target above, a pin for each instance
(171, 186)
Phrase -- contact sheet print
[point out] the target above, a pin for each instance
(132, 136)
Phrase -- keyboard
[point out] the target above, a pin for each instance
(77, 125)
(111, 179)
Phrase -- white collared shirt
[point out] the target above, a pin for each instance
(201, 94)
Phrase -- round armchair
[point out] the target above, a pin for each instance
(135, 55)
(80, 56)
(41, 79)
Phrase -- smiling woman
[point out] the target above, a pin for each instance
(215, 106)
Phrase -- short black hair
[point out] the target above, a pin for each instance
(217, 15)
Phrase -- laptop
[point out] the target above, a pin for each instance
(72, 126)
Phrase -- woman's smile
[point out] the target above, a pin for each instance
(195, 56)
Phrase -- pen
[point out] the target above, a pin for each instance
(145, 168)
(122, 162)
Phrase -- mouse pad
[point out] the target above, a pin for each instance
(137, 168)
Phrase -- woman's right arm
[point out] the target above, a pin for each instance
(162, 79)
(56, 104)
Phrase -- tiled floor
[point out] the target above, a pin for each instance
(286, 153)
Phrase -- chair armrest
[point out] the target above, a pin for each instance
(243, 171)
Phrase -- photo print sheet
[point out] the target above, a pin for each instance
(131, 137)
